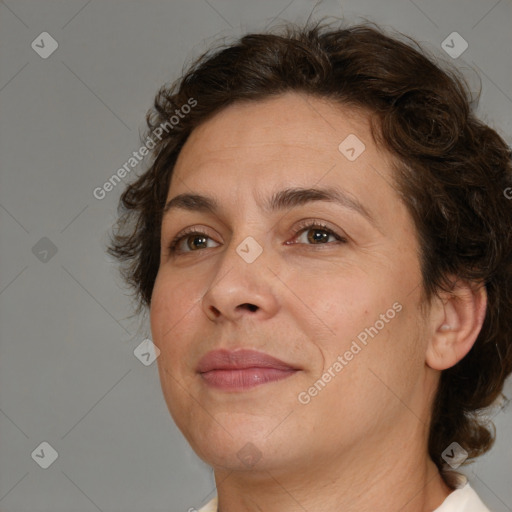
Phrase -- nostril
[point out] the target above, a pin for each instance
(250, 307)
(216, 312)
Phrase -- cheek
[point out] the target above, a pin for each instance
(174, 308)
(174, 299)
(336, 306)
(370, 317)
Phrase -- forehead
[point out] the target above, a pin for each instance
(290, 126)
(249, 151)
(291, 139)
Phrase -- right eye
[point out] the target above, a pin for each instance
(190, 241)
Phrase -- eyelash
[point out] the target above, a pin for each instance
(303, 226)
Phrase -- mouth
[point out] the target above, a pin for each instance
(241, 370)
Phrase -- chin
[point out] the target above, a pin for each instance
(235, 442)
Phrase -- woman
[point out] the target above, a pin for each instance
(323, 243)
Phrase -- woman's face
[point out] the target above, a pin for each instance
(336, 302)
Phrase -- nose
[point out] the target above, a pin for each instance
(240, 289)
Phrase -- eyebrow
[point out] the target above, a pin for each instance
(281, 200)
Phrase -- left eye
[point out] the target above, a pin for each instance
(317, 235)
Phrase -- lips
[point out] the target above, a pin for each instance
(242, 369)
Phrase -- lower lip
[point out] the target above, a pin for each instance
(247, 378)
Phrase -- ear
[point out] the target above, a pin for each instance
(456, 319)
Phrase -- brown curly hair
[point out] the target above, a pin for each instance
(452, 169)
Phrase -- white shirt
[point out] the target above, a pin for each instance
(462, 499)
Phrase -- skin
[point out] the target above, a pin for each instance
(361, 442)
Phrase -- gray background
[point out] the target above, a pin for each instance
(68, 374)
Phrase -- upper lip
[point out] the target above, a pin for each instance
(241, 359)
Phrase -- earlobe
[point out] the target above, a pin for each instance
(456, 320)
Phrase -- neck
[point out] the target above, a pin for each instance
(403, 478)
